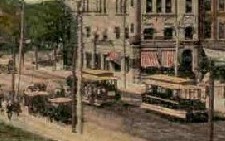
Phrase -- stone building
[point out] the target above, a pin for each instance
(142, 40)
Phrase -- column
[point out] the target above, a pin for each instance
(102, 62)
(93, 56)
(84, 60)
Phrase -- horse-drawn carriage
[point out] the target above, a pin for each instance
(60, 109)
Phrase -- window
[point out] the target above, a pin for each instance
(131, 2)
(88, 58)
(127, 64)
(117, 31)
(106, 63)
(207, 29)
(221, 30)
(188, 6)
(159, 6)
(168, 6)
(126, 32)
(221, 5)
(88, 31)
(148, 33)
(119, 6)
(207, 5)
(132, 28)
(104, 35)
(168, 33)
(104, 8)
(188, 33)
(148, 6)
(86, 5)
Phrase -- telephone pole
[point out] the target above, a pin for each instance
(124, 44)
(211, 78)
(77, 97)
(21, 45)
(177, 39)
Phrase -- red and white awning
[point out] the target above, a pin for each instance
(168, 58)
(113, 56)
(149, 59)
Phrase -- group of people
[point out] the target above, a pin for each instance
(10, 105)
(93, 92)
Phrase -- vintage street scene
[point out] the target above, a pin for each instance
(112, 70)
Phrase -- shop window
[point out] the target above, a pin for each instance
(148, 6)
(148, 33)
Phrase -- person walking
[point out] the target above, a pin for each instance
(9, 108)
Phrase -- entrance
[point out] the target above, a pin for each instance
(186, 62)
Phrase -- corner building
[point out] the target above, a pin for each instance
(149, 35)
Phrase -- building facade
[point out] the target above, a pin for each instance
(131, 37)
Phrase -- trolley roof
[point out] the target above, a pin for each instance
(168, 85)
(91, 77)
(98, 72)
(60, 100)
(167, 78)
(36, 93)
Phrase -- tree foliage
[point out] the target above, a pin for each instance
(46, 22)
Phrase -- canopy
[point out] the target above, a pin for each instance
(97, 78)
(215, 54)
(60, 100)
(98, 72)
(168, 85)
(167, 78)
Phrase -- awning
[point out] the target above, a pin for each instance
(114, 56)
(168, 58)
(149, 59)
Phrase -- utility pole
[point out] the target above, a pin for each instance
(79, 70)
(177, 39)
(211, 78)
(211, 101)
(21, 45)
(124, 43)
(13, 70)
(78, 75)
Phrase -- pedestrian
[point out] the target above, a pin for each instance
(9, 109)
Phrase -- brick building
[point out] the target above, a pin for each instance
(149, 34)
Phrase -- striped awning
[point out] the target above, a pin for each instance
(168, 57)
(113, 56)
(149, 59)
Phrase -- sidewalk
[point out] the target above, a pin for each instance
(42, 127)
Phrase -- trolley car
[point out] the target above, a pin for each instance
(99, 87)
(175, 97)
